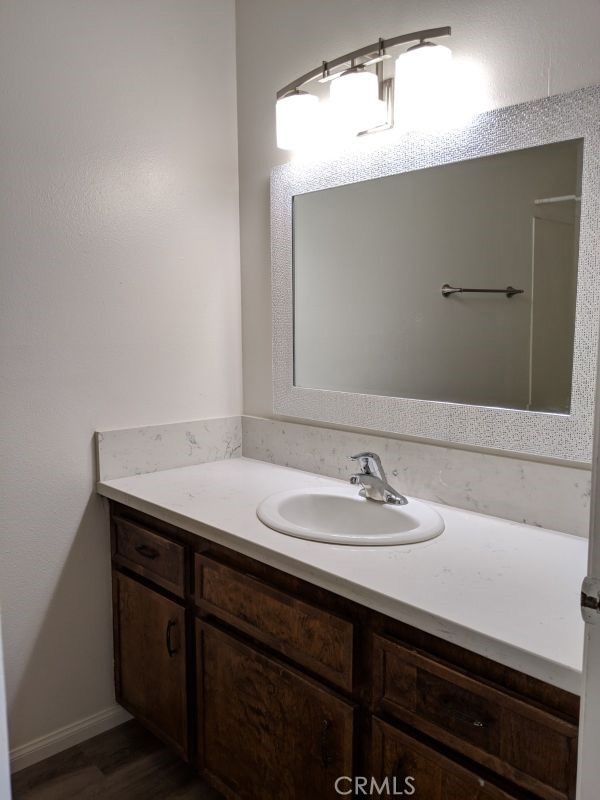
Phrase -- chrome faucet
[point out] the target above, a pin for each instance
(373, 481)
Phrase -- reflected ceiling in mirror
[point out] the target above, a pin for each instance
(371, 259)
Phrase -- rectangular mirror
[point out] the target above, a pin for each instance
(370, 249)
(371, 259)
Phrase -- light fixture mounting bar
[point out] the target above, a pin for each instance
(368, 50)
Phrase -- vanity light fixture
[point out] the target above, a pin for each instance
(421, 85)
(355, 101)
(361, 98)
(296, 114)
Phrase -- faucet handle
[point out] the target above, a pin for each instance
(370, 464)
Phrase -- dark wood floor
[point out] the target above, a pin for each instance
(126, 763)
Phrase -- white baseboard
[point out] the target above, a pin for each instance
(52, 743)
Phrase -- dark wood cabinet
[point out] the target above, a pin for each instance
(266, 730)
(150, 660)
(407, 766)
(311, 636)
(275, 688)
(518, 740)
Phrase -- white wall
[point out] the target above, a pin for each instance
(119, 299)
(529, 50)
(4, 766)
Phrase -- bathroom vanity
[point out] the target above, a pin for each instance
(264, 665)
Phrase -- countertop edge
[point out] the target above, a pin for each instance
(511, 656)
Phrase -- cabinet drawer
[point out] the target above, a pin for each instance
(522, 742)
(404, 764)
(310, 636)
(149, 554)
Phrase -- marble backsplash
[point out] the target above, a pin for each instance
(552, 496)
(135, 451)
(555, 496)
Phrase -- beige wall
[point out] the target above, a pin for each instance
(528, 49)
(119, 299)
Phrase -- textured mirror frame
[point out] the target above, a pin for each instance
(575, 115)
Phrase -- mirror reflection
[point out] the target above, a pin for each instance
(379, 265)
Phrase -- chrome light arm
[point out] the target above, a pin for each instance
(370, 52)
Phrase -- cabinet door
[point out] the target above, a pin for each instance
(402, 764)
(150, 659)
(267, 732)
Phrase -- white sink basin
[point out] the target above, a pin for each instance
(341, 516)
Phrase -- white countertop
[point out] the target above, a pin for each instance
(501, 589)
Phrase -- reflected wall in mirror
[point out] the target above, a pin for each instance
(370, 260)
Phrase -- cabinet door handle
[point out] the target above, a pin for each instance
(326, 756)
(170, 649)
(147, 552)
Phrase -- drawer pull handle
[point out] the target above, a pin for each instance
(147, 552)
(170, 649)
(463, 716)
(326, 756)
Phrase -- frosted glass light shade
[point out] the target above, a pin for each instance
(296, 118)
(355, 103)
(422, 84)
